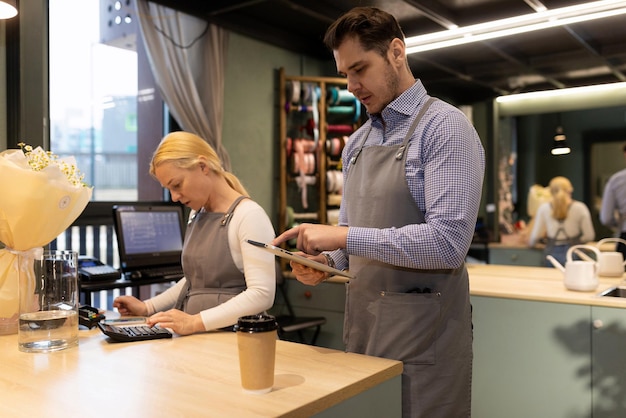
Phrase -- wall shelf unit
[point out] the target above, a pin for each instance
(317, 114)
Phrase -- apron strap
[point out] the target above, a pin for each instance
(228, 215)
(405, 143)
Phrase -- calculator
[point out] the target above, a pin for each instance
(129, 333)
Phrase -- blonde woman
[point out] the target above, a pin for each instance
(225, 277)
(562, 222)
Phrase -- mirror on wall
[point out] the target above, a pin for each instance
(507, 180)
(605, 157)
(525, 135)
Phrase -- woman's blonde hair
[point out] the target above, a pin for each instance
(183, 149)
(561, 190)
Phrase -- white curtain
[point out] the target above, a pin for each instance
(188, 60)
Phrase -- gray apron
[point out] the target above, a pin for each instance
(421, 317)
(212, 276)
(558, 247)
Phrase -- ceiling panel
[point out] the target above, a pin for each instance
(580, 54)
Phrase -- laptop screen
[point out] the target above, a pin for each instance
(149, 235)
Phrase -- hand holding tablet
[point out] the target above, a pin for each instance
(299, 259)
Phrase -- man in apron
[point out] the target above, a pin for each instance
(413, 178)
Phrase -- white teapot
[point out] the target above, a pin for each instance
(611, 262)
(582, 274)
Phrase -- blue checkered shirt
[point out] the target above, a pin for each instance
(444, 170)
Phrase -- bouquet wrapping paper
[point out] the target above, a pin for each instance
(36, 205)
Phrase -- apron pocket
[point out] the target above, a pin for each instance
(199, 301)
(405, 327)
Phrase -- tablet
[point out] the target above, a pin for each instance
(299, 259)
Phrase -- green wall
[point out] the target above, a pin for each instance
(250, 127)
(582, 128)
(3, 90)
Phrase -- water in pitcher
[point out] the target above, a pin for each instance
(48, 330)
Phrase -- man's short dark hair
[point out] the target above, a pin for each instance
(374, 28)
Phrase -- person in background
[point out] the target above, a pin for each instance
(562, 222)
(613, 211)
(413, 176)
(225, 277)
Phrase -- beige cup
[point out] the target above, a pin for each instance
(256, 341)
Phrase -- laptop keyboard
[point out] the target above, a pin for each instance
(174, 273)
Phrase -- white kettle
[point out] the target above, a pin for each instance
(579, 275)
(611, 262)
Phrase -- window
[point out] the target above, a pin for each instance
(93, 92)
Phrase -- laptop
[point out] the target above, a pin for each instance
(150, 240)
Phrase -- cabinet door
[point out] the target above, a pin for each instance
(608, 349)
(531, 359)
(516, 256)
(326, 299)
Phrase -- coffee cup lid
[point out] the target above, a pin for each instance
(256, 323)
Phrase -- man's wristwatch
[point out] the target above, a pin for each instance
(329, 260)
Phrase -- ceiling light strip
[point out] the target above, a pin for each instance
(562, 100)
(516, 25)
(573, 91)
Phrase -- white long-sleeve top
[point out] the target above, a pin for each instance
(577, 222)
(249, 221)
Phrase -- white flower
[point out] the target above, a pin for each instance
(40, 160)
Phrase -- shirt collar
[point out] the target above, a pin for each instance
(405, 104)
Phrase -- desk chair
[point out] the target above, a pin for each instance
(291, 323)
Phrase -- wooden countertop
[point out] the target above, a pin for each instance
(536, 283)
(520, 243)
(189, 376)
(531, 283)
(513, 246)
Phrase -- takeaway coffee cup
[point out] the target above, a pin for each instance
(256, 342)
